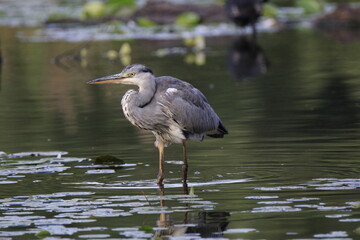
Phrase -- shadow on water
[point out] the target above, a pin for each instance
(337, 108)
(1, 64)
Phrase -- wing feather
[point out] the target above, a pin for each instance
(186, 105)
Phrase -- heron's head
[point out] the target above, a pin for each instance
(133, 74)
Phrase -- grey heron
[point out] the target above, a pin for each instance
(173, 110)
(244, 12)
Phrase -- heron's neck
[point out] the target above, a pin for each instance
(146, 93)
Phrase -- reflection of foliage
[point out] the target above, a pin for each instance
(77, 55)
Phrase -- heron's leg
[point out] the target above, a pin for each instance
(160, 177)
(185, 164)
(162, 219)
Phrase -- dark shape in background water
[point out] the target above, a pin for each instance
(337, 108)
(244, 12)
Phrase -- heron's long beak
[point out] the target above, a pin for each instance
(116, 78)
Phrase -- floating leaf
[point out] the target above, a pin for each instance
(146, 228)
(120, 3)
(356, 205)
(43, 234)
(357, 231)
(187, 19)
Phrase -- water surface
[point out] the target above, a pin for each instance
(287, 170)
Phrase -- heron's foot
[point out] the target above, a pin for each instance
(185, 171)
(160, 179)
(185, 188)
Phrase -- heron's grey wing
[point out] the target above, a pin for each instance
(187, 106)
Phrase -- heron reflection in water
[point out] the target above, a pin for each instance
(173, 110)
(203, 224)
(246, 59)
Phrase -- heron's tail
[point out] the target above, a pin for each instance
(220, 131)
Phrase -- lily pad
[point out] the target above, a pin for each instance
(147, 229)
(187, 19)
(357, 231)
(43, 234)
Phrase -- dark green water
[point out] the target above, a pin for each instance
(289, 169)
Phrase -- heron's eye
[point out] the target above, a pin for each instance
(131, 74)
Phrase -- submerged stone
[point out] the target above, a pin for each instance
(108, 159)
